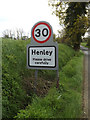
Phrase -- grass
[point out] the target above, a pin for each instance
(71, 79)
(63, 103)
(0, 78)
(13, 67)
(17, 81)
(84, 44)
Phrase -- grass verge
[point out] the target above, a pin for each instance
(85, 44)
(63, 103)
(17, 80)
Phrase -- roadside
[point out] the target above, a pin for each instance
(85, 82)
(85, 87)
(85, 44)
(89, 83)
(0, 78)
(66, 102)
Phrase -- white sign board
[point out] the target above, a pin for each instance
(42, 56)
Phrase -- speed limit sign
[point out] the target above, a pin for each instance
(41, 32)
(42, 52)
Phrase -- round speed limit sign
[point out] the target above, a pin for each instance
(41, 32)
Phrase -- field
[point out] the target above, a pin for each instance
(19, 98)
(86, 44)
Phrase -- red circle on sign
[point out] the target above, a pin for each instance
(47, 37)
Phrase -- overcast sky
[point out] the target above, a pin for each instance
(25, 13)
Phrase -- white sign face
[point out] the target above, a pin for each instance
(42, 56)
(41, 32)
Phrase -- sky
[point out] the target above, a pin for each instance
(24, 14)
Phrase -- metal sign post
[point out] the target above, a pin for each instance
(57, 85)
(42, 53)
(35, 82)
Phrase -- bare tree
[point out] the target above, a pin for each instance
(5, 33)
(17, 32)
(10, 34)
(14, 34)
(21, 32)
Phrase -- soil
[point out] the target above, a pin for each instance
(39, 86)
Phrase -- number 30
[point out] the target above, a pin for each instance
(38, 34)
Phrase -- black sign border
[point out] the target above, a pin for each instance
(41, 66)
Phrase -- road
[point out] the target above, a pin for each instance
(86, 84)
(89, 83)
